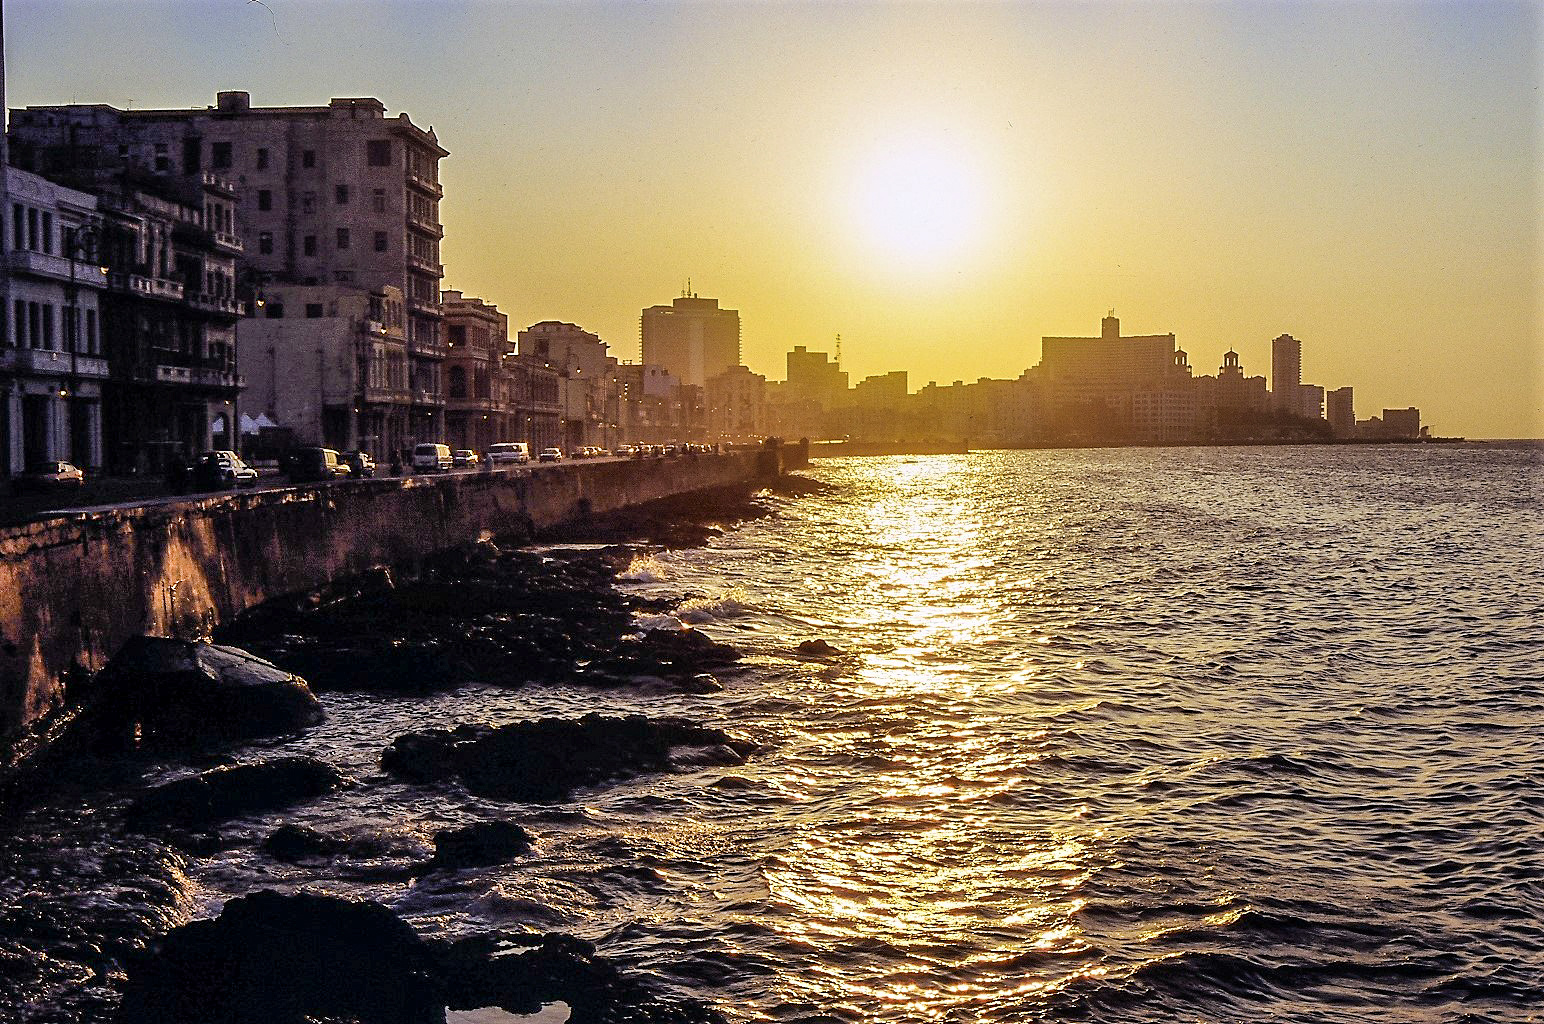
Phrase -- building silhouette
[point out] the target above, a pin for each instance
(1287, 374)
(692, 338)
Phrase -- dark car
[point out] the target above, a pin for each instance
(222, 470)
(359, 463)
(47, 477)
(311, 465)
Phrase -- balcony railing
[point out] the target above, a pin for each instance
(218, 183)
(43, 264)
(423, 223)
(227, 304)
(423, 396)
(148, 287)
(216, 378)
(422, 305)
(427, 348)
(426, 264)
(419, 181)
(52, 362)
(227, 241)
(386, 395)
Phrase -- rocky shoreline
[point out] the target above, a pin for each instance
(496, 613)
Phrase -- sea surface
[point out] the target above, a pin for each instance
(1134, 735)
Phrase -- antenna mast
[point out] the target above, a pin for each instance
(839, 350)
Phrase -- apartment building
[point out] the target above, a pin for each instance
(589, 387)
(338, 194)
(329, 363)
(476, 392)
(52, 369)
(692, 338)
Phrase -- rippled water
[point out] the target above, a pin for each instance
(1126, 735)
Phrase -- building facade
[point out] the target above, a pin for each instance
(477, 409)
(736, 406)
(692, 338)
(1117, 387)
(1340, 411)
(52, 369)
(589, 388)
(1286, 374)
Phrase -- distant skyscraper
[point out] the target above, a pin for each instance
(1341, 414)
(691, 337)
(1286, 373)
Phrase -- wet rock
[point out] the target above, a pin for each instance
(480, 844)
(229, 792)
(296, 842)
(544, 761)
(285, 959)
(521, 973)
(288, 959)
(162, 692)
(818, 648)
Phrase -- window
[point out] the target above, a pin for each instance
(162, 161)
(308, 202)
(264, 199)
(342, 194)
(313, 311)
(378, 201)
(48, 232)
(378, 152)
(34, 330)
(91, 332)
(265, 243)
(308, 245)
(21, 323)
(308, 158)
(219, 155)
(343, 238)
(274, 311)
(457, 382)
(18, 234)
(190, 156)
(48, 326)
(32, 229)
(262, 159)
(380, 241)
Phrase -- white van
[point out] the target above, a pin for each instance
(509, 452)
(431, 458)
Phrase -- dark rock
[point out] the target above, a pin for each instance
(286, 959)
(818, 649)
(289, 959)
(229, 792)
(296, 842)
(546, 760)
(521, 973)
(159, 691)
(480, 844)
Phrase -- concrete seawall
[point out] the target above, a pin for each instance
(73, 590)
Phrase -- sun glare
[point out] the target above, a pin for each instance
(920, 204)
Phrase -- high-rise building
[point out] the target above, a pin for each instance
(1340, 412)
(692, 338)
(1403, 423)
(1310, 401)
(1286, 373)
(338, 194)
(1142, 382)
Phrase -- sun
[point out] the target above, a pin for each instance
(920, 204)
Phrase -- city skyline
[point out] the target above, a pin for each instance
(1229, 174)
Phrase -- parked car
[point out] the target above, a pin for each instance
(221, 470)
(550, 455)
(360, 464)
(309, 465)
(431, 458)
(506, 452)
(48, 477)
(464, 457)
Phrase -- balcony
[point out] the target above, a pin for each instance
(387, 396)
(422, 305)
(226, 304)
(421, 182)
(49, 362)
(427, 265)
(423, 396)
(171, 374)
(145, 287)
(42, 264)
(218, 184)
(434, 349)
(217, 378)
(228, 242)
(473, 405)
(427, 224)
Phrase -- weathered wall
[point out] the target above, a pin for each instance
(72, 591)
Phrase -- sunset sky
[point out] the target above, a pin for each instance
(941, 184)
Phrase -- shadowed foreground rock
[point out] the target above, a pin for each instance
(480, 844)
(286, 959)
(163, 692)
(229, 792)
(544, 761)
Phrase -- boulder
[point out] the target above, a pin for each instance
(480, 844)
(291, 842)
(545, 760)
(286, 959)
(159, 691)
(818, 648)
(231, 791)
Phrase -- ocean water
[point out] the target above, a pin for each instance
(1111, 735)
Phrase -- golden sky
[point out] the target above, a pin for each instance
(942, 184)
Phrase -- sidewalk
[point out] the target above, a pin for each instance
(104, 490)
